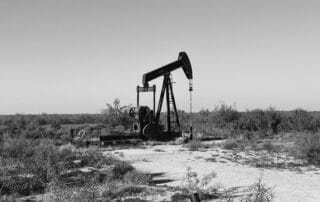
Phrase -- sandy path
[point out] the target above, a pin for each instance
(173, 160)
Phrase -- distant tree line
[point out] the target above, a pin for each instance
(269, 121)
(224, 117)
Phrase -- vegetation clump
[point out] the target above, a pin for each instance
(28, 167)
(259, 192)
(232, 144)
(203, 186)
(308, 147)
(194, 145)
(270, 121)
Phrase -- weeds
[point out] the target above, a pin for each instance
(194, 184)
(29, 167)
(269, 147)
(194, 145)
(259, 192)
(309, 148)
(231, 144)
(197, 145)
(179, 197)
(59, 193)
(136, 177)
(121, 169)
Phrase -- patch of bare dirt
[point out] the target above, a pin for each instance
(292, 179)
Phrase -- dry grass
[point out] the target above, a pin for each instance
(259, 192)
(197, 145)
(232, 144)
(308, 147)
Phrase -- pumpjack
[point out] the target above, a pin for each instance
(148, 120)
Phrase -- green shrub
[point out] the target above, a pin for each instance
(60, 193)
(259, 192)
(121, 169)
(211, 133)
(226, 116)
(93, 157)
(32, 165)
(16, 148)
(231, 144)
(313, 155)
(194, 145)
(130, 190)
(122, 191)
(269, 147)
(136, 177)
(22, 185)
(253, 121)
(180, 197)
(45, 161)
(194, 184)
(309, 148)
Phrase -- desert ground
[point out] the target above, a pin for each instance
(292, 181)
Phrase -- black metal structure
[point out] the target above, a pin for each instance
(148, 125)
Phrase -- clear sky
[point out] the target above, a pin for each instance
(74, 56)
